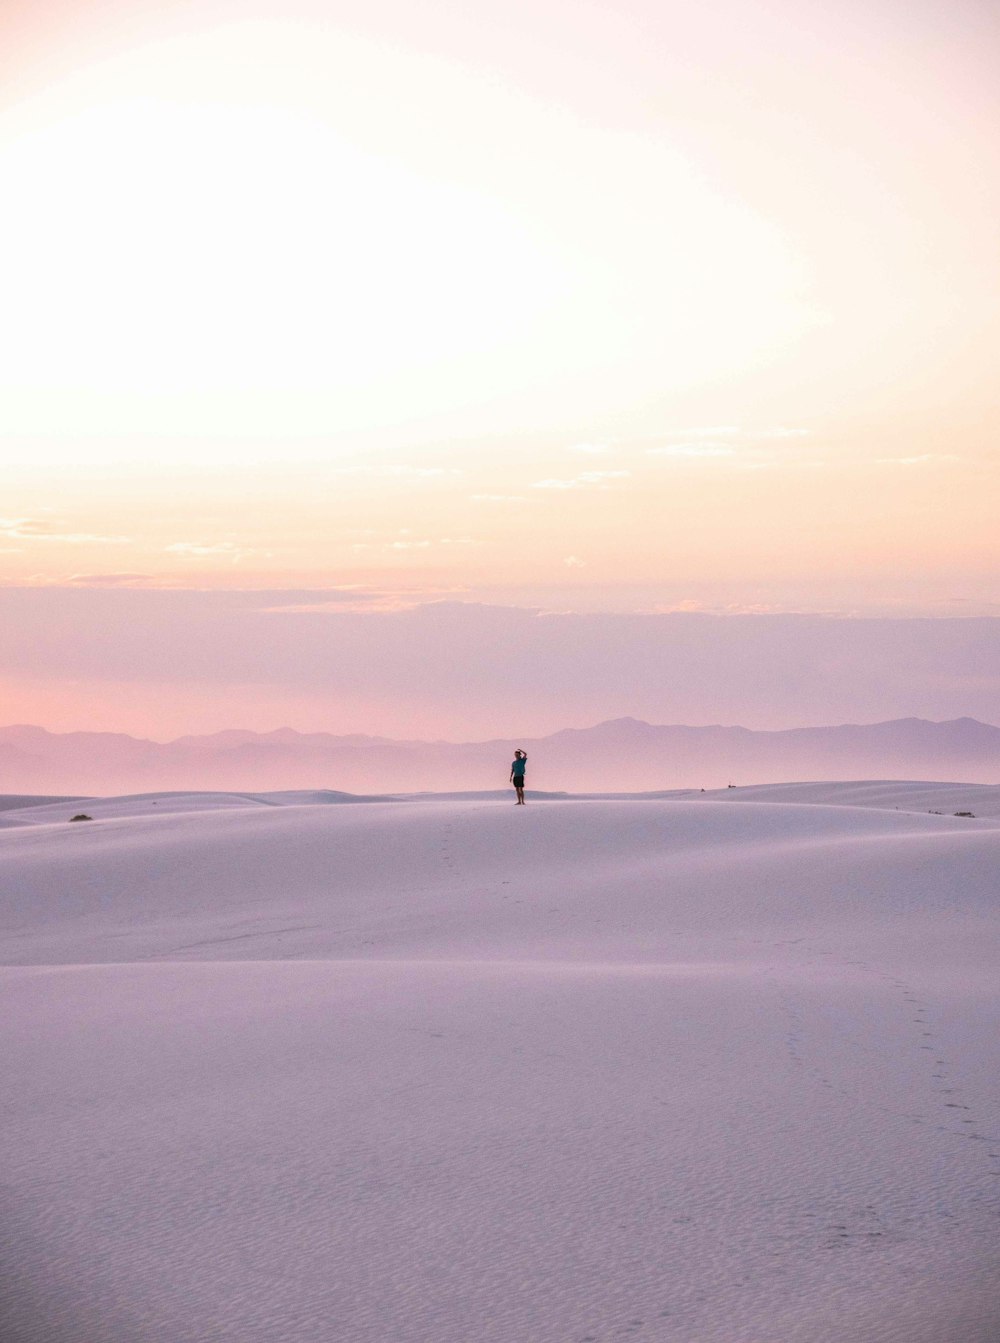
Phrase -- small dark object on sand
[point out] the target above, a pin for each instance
(81, 816)
(970, 814)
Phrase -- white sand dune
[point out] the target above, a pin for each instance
(442, 1071)
(983, 800)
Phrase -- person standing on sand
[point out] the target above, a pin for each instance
(517, 775)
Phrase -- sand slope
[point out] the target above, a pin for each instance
(446, 1070)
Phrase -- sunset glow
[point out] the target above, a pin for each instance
(609, 309)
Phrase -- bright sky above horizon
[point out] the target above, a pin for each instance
(587, 307)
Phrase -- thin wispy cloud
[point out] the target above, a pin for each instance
(354, 598)
(693, 606)
(30, 529)
(109, 580)
(731, 441)
(682, 606)
(85, 538)
(416, 543)
(919, 460)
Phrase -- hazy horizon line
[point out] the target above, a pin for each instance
(478, 741)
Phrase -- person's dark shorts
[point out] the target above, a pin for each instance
(518, 781)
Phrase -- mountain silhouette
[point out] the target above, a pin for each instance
(622, 754)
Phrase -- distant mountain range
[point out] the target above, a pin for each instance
(623, 754)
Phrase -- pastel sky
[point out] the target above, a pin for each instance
(575, 307)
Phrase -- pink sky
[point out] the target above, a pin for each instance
(591, 309)
(164, 663)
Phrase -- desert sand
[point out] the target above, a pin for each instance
(699, 1068)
